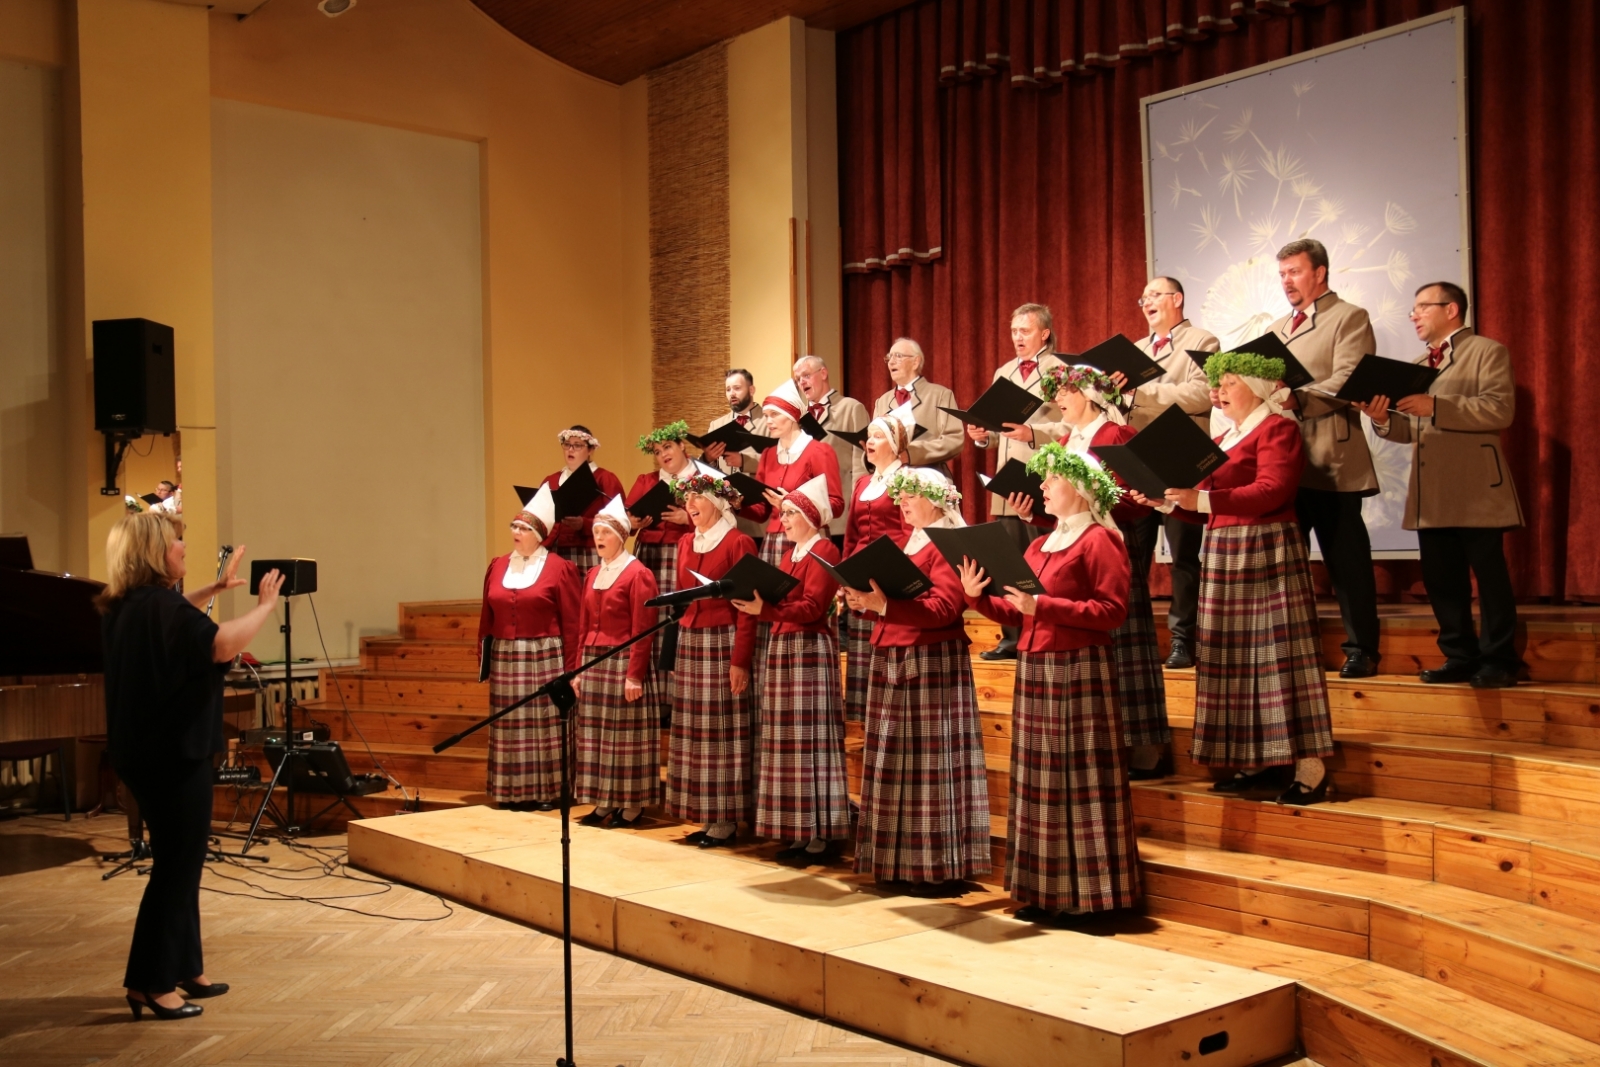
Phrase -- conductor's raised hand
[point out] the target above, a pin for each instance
(230, 576)
(267, 591)
(973, 580)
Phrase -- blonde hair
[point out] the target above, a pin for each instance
(136, 554)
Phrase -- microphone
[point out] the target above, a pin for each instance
(708, 591)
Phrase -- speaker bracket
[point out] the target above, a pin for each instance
(116, 447)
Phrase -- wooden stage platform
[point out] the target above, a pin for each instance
(961, 979)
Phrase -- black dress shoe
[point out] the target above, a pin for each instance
(1000, 652)
(1490, 677)
(694, 838)
(1449, 674)
(945, 890)
(1245, 781)
(793, 856)
(545, 805)
(594, 818)
(186, 1011)
(1358, 665)
(1182, 656)
(1032, 913)
(707, 841)
(201, 992)
(1300, 794)
(617, 821)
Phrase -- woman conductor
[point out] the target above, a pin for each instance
(164, 665)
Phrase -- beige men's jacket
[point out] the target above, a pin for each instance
(1048, 423)
(1184, 383)
(1329, 345)
(1459, 475)
(942, 440)
(846, 415)
(745, 461)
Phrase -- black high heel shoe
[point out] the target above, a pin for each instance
(201, 992)
(186, 1011)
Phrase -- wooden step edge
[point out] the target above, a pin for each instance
(379, 674)
(1395, 1042)
(334, 707)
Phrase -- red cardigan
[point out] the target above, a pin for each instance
(805, 609)
(1085, 597)
(704, 614)
(611, 616)
(1260, 479)
(871, 519)
(817, 458)
(547, 608)
(1127, 511)
(609, 485)
(657, 533)
(931, 618)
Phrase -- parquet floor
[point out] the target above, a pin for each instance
(315, 986)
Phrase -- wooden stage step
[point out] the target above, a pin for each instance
(1538, 963)
(960, 979)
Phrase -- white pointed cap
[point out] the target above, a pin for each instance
(615, 514)
(543, 507)
(814, 492)
(786, 400)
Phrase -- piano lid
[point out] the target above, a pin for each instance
(48, 621)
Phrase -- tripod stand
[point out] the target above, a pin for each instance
(292, 753)
(559, 690)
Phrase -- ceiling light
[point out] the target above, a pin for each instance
(335, 8)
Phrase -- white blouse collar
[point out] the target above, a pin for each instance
(523, 571)
(705, 541)
(801, 550)
(566, 473)
(919, 537)
(1237, 433)
(1067, 532)
(1079, 439)
(609, 572)
(878, 484)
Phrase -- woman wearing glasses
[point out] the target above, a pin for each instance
(527, 634)
(573, 538)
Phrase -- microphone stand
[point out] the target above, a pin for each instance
(559, 690)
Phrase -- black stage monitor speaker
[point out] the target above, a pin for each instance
(133, 377)
(325, 771)
(299, 575)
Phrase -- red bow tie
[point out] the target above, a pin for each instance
(901, 395)
(1295, 320)
(1158, 344)
(1026, 368)
(742, 420)
(818, 410)
(1436, 355)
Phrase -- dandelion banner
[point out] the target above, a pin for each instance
(1357, 146)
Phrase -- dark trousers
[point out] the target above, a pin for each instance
(1451, 556)
(1183, 538)
(1347, 553)
(1023, 533)
(175, 800)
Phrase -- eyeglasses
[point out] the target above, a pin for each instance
(518, 527)
(1416, 309)
(1151, 298)
(898, 357)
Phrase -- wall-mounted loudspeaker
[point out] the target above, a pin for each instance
(133, 377)
(299, 575)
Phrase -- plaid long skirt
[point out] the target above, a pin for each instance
(924, 793)
(525, 746)
(1141, 687)
(583, 557)
(711, 749)
(618, 744)
(774, 546)
(800, 781)
(662, 559)
(1261, 699)
(1071, 827)
(857, 637)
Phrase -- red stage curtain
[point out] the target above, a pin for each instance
(1014, 183)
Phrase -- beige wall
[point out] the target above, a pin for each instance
(349, 361)
(565, 311)
(782, 166)
(33, 407)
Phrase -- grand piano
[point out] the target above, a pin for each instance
(51, 684)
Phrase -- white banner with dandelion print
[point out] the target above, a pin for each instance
(1362, 146)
